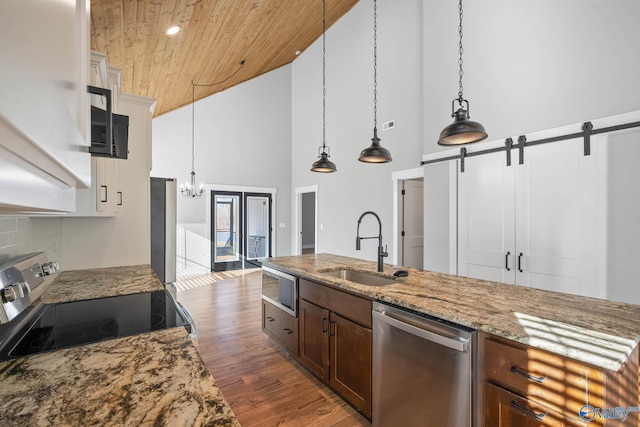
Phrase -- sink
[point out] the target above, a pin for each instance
(360, 277)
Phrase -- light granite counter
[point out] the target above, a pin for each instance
(599, 332)
(153, 379)
(76, 285)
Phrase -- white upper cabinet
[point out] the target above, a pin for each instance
(43, 105)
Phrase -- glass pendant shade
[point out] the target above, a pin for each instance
(462, 130)
(375, 153)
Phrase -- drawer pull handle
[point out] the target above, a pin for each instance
(527, 375)
(526, 411)
(287, 331)
(270, 319)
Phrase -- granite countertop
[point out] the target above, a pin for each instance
(153, 379)
(599, 332)
(77, 285)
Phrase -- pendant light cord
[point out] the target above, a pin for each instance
(224, 80)
(324, 86)
(193, 109)
(375, 65)
(193, 125)
(460, 51)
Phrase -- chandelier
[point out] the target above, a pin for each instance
(189, 189)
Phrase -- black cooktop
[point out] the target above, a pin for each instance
(82, 322)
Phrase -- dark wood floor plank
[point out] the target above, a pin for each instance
(262, 386)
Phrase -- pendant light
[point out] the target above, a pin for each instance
(323, 164)
(462, 130)
(189, 190)
(375, 153)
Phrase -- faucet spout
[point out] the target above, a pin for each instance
(381, 252)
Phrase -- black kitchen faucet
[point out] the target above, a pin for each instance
(381, 252)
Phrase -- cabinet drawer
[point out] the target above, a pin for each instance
(350, 306)
(561, 384)
(281, 326)
(505, 409)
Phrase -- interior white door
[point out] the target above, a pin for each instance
(486, 219)
(413, 223)
(557, 219)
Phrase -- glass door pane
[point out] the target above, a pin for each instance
(227, 232)
(258, 225)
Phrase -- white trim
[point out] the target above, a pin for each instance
(297, 215)
(398, 177)
(208, 188)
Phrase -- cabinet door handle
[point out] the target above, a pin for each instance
(332, 331)
(324, 324)
(105, 193)
(120, 193)
(287, 331)
(506, 261)
(270, 319)
(526, 411)
(520, 262)
(527, 375)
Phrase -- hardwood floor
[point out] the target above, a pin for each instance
(263, 387)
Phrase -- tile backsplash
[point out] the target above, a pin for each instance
(15, 236)
(21, 235)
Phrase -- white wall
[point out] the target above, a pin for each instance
(528, 66)
(357, 187)
(242, 138)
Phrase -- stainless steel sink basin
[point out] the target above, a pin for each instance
(360, 277)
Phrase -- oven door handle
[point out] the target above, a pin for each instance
(187, 315)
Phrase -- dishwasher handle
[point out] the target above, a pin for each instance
(460, 344)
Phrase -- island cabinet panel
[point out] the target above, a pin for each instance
(335, 340)
(350, 360)
(280, 326)
(314, 340)
(350, 306)
(506, 409)
(522, 385)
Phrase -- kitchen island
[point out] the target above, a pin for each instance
(155, 378)
(541, 358)
(599, 332)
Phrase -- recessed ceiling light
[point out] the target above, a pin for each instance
(173, 30)
(298, 52)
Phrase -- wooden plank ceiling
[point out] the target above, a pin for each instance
(215, 36)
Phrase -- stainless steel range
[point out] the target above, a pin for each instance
(30, 326)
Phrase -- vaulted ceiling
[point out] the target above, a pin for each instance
(215, 36)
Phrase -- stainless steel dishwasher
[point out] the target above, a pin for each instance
(423, 370)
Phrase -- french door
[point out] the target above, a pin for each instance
(241, 229)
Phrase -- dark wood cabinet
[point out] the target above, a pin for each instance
(506, 409)
(314, 338)
(281, 327)
(335, 340)
(350, 361)
(526, 386)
